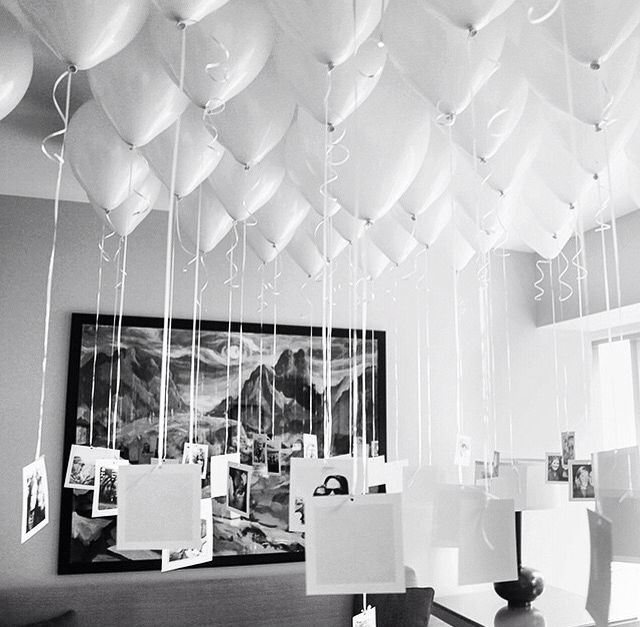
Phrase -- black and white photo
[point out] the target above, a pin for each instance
(239, 488)
(81, 467)
(554, 471)
(35, 498)
(196, 454)
(581, 485)
(105, 496)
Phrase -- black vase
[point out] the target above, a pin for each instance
(528, 586)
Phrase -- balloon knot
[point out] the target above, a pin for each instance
(555, 236)
(595, 176)
(571, 206)
(594, 65)
(368, 223)
(72, 69)
(471, 30)
(413, 217)
(380, 43)
(331, 127)
(330, 66)
(247, 167)
(482, 159)
(599, 126)
(501, 193)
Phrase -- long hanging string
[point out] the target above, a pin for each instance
(199, 332)
(162, 417)
(121, 291)
(274, 343)
(193, 382)
(260, 386)
(243, 267)
(95, 336)
(396, 390)
(419, 381)
(59, 159)
(555, 346)
(507, 333)
(114, 328)
(232, 269)
(427, 347)
(581, 275)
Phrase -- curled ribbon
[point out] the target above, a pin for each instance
(563, 284)
(537, 284)
(545, 16)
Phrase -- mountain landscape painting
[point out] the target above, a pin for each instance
(240, 384)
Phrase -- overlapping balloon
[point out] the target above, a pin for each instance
(416, 119)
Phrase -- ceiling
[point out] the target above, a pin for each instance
(541, 146)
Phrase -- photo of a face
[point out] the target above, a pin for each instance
(310, 442)
(581, 485)
(81, 468)
(554, 468)
(568, 439)
(196, 454)
(333, 484)
(259, 451)
(238, 487)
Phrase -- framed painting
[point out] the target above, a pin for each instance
(250, 392)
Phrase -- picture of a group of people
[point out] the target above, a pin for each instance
(35, 498)
(564, 468)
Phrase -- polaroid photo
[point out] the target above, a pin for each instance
(273, 457)
(316, 477)
(495, 464)
(310, 445)
(366, 618)
(35, 498)
(219, 472)
(105, 496)
(196, 454)
(462, 455)
(553, 468)
(259, 452)
(181, 558)
(239, 488)
(81, 472)
(568, 445)
(581, 486)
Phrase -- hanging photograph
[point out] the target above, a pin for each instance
(35, 498)
(581, 482)
(285, 380)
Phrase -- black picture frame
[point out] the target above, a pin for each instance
(87, 551)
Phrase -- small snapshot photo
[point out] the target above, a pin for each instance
(35, 498)
(581, 486)
(568, 441)
(462, 455)
(196, 454)
(105, 496)
(310, 444)
(273, 457)
(239, 488)
(259, 451)
(366, 618)
(81, 468)
(180, 558)
(554, 468)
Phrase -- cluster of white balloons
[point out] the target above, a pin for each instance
(410, 117)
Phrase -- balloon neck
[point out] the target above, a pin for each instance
(330, 66)
(182, 24)
(380, 43)
(501, 193)
(595, 176)
(599, 126)
(571, 206)
(594, 65)
(413, 217)
(368, 223)
(247, 167)
(72, 69)
(471, 30)
(555, 236)
(331, 127)
(482, 159)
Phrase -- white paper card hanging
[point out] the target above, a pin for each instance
(159, 507)
(394, 472)
(617, 472)
(353, 545)
(105, 496)
(218, 471)
(181, 558)
(366, 618)
(35, 498)
(624, 514)
(599, 593)
(487, 541)
(311, 478)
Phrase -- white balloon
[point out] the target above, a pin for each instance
(279, 218)
(440, 59)
(314, 226)
(326, 28)
(351, 83)
(497, 109)
(203, 206)
(198, 153)
(302, 250)
(127, 215)
(393, 240)
(427, 227)
(470, 15)
(371, 260)
(462, 252)
(135, 92)
(545, 66)
(243, 191)
(387, 141)
(16, 62)
(225, 51)
(84, 33)
(104, 165)
(188, 11)
(265, 250)
(432, 178)
(347, 226)
(594, 29)
(304, 156)
(255, 120)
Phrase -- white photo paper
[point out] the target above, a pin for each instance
(35, 498)
(310, 445)
(599, 594)
(219, 472)
(354, 545)
(366, 618)
(239, 488)
(196, 454)
(462, 455)
(105, 496)
(158, 506)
